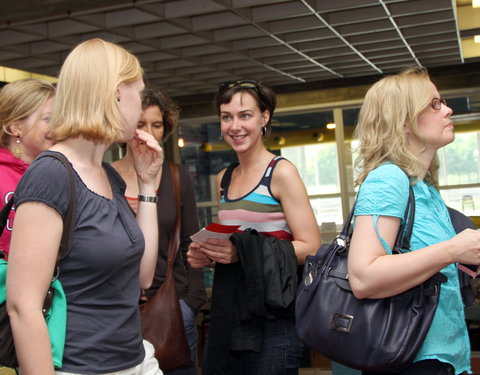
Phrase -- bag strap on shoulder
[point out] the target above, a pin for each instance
(402, 241)
(4, 214)
(227, 177)
(404, 231)
(174, 241)
(68, 223)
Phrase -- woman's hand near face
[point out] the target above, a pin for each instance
(148, 157)
(148, 160)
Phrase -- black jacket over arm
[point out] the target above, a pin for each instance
(261, 286)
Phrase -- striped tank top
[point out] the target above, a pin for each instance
(258, 210)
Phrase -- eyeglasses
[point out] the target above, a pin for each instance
(245, 83)
(437, 103)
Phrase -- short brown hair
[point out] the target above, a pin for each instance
(263, 95)
(169, 109)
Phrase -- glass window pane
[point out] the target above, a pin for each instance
(459, 161)
(317, 165)
(328, 212)
(463, 200)
(350, 118)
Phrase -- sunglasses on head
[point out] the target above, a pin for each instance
(244, 83)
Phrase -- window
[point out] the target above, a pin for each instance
(459, 173)
(317, 165)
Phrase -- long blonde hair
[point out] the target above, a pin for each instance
(86, 105)
(391, 106)
(19, 99)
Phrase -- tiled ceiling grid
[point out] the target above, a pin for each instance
(188, 46)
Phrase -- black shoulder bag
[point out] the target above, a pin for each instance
(382, 335)
(8, 356)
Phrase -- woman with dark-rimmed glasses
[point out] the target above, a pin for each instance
(402, 124)
(262, 192)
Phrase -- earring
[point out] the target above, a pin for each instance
(221, 134)
(118, 99)
(17, 149)
(264, 131)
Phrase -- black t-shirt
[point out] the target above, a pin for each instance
(100, 276)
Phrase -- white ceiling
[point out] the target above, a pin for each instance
(188, 46)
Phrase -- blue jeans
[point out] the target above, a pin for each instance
(280, 354)
(191, 335)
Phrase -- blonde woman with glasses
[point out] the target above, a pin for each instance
(402, 124)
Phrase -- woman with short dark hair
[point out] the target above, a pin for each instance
(263, 194)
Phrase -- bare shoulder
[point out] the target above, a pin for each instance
(286, 181)
(285, 170)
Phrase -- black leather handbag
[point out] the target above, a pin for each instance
(161, 316)
(378, 335)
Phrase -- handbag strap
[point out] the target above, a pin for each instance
(227, 177)
(174, 240)
(402, 241)
(4, 214)
(404, 231)
(67, 234)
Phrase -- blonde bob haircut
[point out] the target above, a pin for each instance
(391, 109)
(86, 103)
(18, 100)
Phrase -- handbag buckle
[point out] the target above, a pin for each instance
(308, 279)
(341, 323)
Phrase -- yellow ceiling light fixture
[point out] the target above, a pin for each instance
(319, 137)
(280, 140)
(10, 74)
(206, 147)
(468, 21)
(470, 48)
(331, 125)
(181, 142)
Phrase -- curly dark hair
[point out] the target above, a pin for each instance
(170, 110)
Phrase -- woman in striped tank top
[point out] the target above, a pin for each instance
(263, 192)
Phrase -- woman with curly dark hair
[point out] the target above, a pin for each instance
(159, 118)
